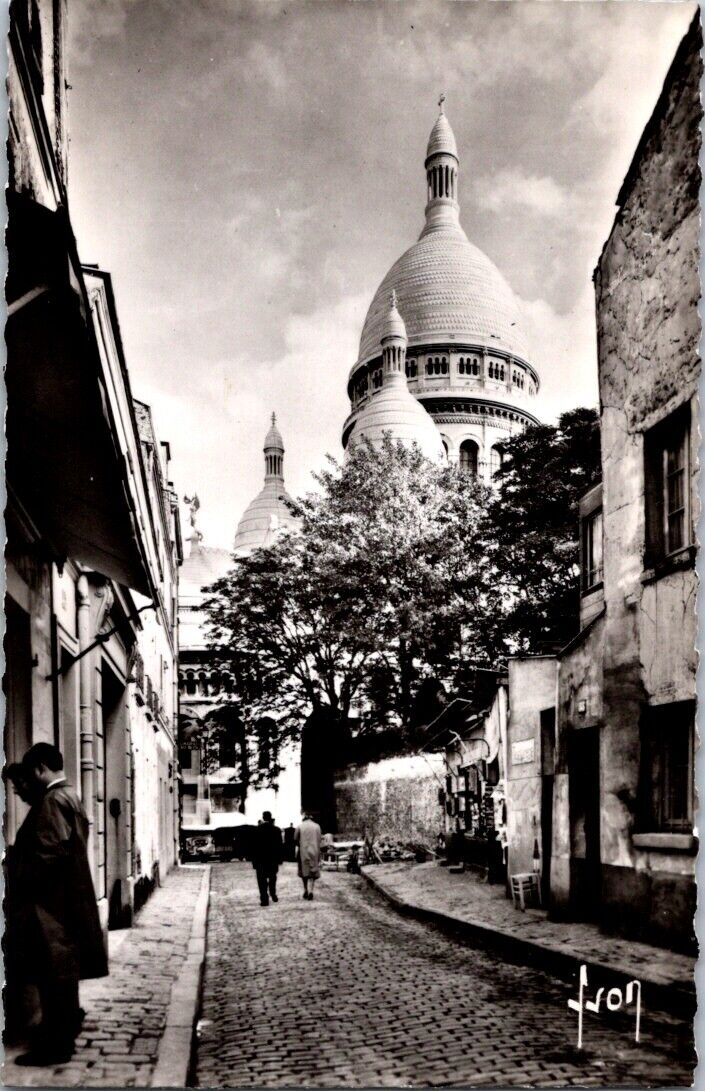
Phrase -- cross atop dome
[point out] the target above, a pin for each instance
(442, 100)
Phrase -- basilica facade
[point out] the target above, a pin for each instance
(465, 355)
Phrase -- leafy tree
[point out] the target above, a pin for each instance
(533, 529)
(368, 598)
(405, 575)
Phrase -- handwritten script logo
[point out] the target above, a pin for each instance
(613, 1001)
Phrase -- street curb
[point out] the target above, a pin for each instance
(175, 1047)
(673, 999)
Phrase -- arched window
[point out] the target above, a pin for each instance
(411, 369)
(496, 458)
(468, 457)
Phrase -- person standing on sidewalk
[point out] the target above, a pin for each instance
(62, 940)
(266, 857)
(308, 839)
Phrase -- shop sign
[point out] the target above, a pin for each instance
(523, 752)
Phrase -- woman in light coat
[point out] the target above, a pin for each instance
(308, 841)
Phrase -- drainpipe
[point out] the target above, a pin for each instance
(86, 709)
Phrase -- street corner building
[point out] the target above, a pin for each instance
(624, 801)
(93, 540)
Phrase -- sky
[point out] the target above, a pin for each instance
(249, 171)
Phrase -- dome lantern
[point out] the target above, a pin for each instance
(393, 342)
(442, 165)
(274, 452)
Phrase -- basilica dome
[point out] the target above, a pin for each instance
(447, 290)
(466, 354)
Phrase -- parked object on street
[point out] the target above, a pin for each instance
(308, 840)
(525, 890)
(220, 841)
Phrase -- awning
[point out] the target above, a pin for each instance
(63, 461)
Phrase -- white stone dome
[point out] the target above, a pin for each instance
(263, 518)
(268, 513)
(395, 411)
(447, 289)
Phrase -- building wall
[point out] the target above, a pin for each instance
(532, 689)
(647, 289)
(395, 799)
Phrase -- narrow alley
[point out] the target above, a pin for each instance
(343, 992)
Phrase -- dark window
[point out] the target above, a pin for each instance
(496, 458)
(592, 550)
(667, 487)
(468, 457)
(667, 767)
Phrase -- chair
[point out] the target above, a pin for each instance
(525, 888)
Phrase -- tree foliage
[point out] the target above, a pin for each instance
(405, 577)
(533, 515)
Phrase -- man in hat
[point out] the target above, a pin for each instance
(61, 941)
(266, 857)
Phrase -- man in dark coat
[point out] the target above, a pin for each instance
(266, 857)
(61, 939)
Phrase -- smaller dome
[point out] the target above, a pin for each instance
(393, 325)
(263, 519)
(442, 139)
(394, 410)
(273, 440)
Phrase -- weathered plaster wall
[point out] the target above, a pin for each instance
(532, 688)
(647, 289)
(395, 799)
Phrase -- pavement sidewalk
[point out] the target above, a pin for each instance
(482, 914)
(139, 1020)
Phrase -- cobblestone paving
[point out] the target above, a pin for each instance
(126, 1011)
(465, 896)
(342, 992)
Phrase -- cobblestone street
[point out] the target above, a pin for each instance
(342, 992)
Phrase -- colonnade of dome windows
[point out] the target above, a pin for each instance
(465, 367)
(441, 182)
(469, 457)
(274, 465)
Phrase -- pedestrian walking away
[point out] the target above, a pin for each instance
(308, 840)
(56, 928)
(267, 855)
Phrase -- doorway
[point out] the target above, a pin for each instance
(548, 765)
(116, 800)
(18, 694)
(584, 809)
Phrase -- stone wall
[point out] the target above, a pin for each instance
(647, 289)
(394, 799)
(532, 688)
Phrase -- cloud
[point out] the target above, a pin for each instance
(512, 189)
(564, 351)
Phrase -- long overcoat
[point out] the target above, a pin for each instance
(308, 838)
(57, 924)
(267, 848)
